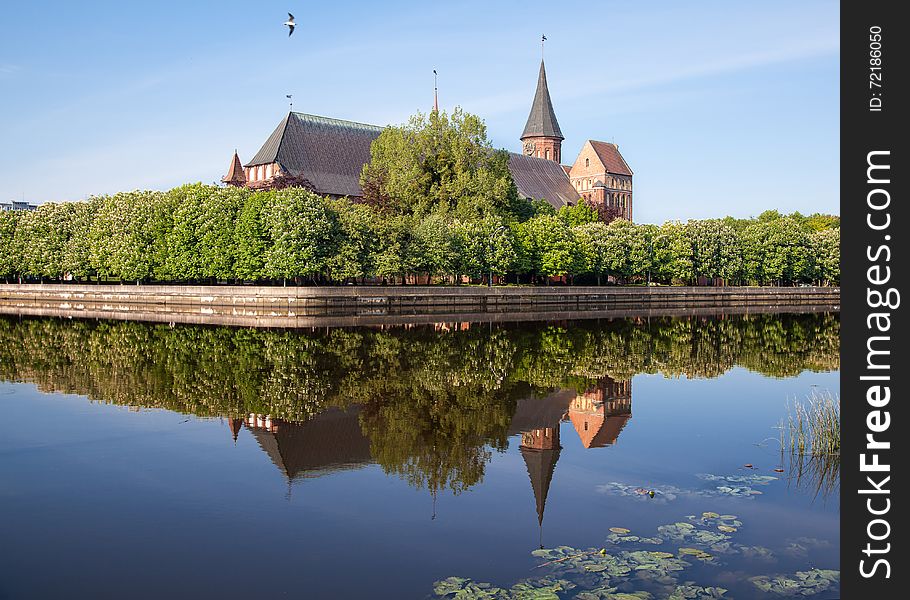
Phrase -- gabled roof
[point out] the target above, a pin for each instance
(329, 153)
(331, 441)
(610, 157)
(542, 120)
(542, 179)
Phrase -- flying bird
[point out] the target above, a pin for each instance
(290, 24)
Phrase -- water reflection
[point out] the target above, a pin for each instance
(323, 413)
(428, 404)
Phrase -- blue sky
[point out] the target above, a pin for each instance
(719, 107)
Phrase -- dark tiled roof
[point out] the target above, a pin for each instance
(611, 158)
(540, 465)
(332, 441)
(542, 179)
(538, 413)
(542, 120)
(329, 153)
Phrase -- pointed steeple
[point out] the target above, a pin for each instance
(235, 425)
(235, 174)
(435, 93)
(542, 120)
(540, 465)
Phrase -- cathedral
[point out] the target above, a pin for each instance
(327, 155)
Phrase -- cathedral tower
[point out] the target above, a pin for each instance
(542, 137)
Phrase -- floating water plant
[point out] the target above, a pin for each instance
(644, 574)
(802, 583)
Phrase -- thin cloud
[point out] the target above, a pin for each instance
(665, 75)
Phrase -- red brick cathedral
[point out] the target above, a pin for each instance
(327, 155)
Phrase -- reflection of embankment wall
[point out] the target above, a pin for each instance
(262, 306)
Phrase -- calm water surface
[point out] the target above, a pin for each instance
(148, 461)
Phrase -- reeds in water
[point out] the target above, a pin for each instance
(813, 426)
(811, 437)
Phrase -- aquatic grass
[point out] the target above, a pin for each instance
(813, 426)
(811, 437)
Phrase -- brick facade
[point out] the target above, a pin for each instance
(600, 183)
(549, 148)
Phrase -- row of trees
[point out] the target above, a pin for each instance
(206, 233)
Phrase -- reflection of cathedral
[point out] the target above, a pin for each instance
(333, 440)
(598, 416)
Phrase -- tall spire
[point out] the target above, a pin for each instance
(540, 465)
(435, 94)
(235, 174)
(542, 120)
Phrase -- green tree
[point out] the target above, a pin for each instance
(825, 245)
(439, 159)
(715, 249)
(10, 257)
(252, 237)
(77, 251)
(41, 237)
(303, 234)
(673, 253)
(578, 214)
(593, 243)
(356, 242)
(628, 251)
(484, 246)
(433, 248)
(393, 242)
(776, 251)
(549, 248)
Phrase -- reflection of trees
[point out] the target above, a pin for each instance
(433, 402)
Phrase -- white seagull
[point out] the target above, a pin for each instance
(290, 24)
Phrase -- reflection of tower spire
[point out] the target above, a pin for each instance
(235, 425)
(540, 450)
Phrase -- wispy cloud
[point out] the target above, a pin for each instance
(6, 70)
(656, 76)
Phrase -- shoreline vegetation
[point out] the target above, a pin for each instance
(439, 206)
(199, 234)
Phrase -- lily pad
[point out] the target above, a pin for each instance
(726, 528)
(620, 530)
(690, 591)
(802, 583)
(461, 588)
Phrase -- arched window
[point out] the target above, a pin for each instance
(546, 154)
(587, 162)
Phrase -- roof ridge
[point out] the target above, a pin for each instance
(311, 117)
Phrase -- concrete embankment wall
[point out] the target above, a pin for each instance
(262, 306)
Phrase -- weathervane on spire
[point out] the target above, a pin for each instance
(543, 38)
(290, 98)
